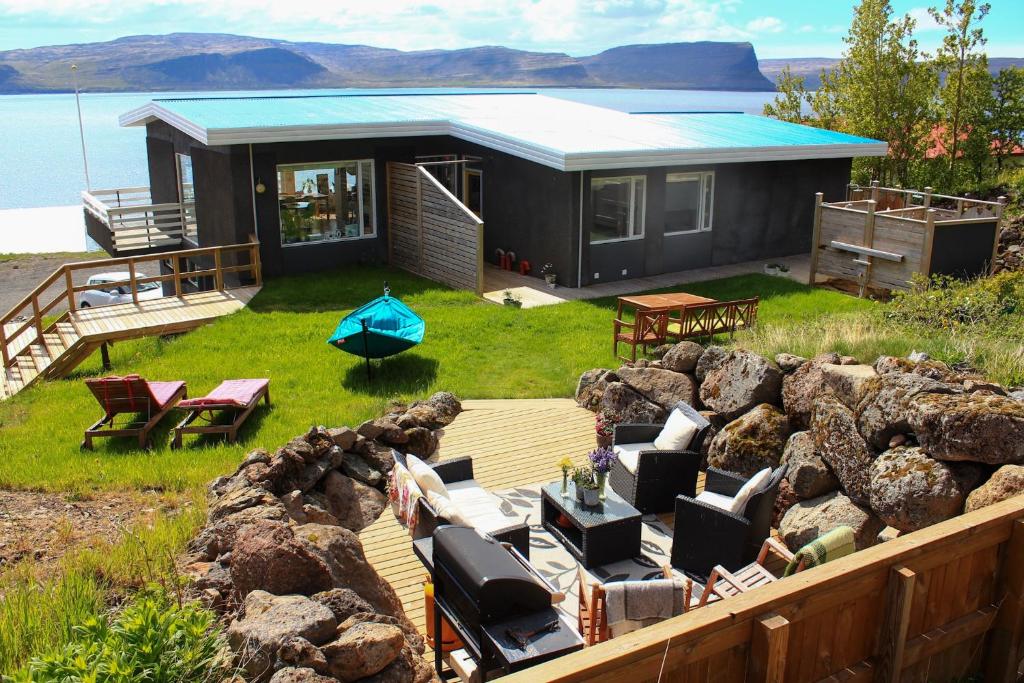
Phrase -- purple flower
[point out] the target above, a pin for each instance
(601, 459)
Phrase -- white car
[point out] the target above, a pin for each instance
(106, 294)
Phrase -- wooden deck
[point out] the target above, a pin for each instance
(76, 335)
(513, 443)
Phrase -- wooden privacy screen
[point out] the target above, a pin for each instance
(430, 232)
(857, 240)
(942, 604)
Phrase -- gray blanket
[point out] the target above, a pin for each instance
(643, 600)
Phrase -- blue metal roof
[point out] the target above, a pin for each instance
(558, 133)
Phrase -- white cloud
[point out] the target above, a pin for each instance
(924, 20)
(766, 25)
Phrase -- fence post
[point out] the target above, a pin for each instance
(893, 636)
(928, 197)
(254, 261)
(874, 190)
(999, 228)
(480, 259)
(1006, 635)
(132, 283)
(869, 242)
(176, 269)
(815, 237)
(218, 273)
(3, 347)
(769, 643)
(70, 285)
(37, 319)
(929, 243)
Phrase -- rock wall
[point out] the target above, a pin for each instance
(280, 558)
(903, 442)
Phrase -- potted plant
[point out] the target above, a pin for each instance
(581, 476)
(604, 426)
(783, 269)
(591, 492)
(601, 460)
(771, 269)
(566, 465)
(511, 299)
(550, 276)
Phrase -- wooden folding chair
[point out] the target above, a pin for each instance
(647, 329)
(593, 620)
(147, 402)
(723, 584)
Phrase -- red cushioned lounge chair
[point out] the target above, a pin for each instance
(147, 402)
(237, 397)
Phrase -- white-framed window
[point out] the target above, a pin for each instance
(327, 201)
(618, 207)
(689, 202)
(187, 195)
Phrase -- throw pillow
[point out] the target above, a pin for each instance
(739, 501)
(425, 476)
(447, 509)
(677, 434)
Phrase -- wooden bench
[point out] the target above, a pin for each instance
(706, 320)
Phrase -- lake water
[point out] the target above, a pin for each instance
(41, 157)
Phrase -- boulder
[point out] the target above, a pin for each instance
(977, 427)
(376, 456)
(353, 503)
(268, 557)
(239, 499)
(802, 386)
(836, 440)
(299, 652)
(590, 387)
(682, 357)
(363, 650)
(421, 442)
(421, 415)
(972, 385)
(910, 491)
(712, 357)
(293, 674)
(209, 576)
(343, 603)
(412, 636)
(785, 499)
(393, 435)
(884, 408)
(932, 369)
(1006, 482)
(806, 472)
(268, 621)
(447, 406)
(662, 387)
(810, 519)
(751, 443)
(406, 668)
(787, 362)
(848, 382)
(618, 399)
(218, 537)
(314, 471)
(369, 430)
(743, 380)
(342, 553)
(344, 438)
(658, 352)
(354, 466)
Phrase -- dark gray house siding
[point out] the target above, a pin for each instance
(761, 210)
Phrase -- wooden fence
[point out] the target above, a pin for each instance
(882, 248)
(942, 604)
(430, 232)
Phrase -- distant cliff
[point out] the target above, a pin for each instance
(209, 61)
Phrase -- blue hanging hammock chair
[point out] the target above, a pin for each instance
(379, 329)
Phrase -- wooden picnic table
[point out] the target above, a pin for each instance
(657, 303)
(649, 318)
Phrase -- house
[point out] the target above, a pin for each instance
(439, 183)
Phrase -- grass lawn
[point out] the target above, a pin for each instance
(472, 348)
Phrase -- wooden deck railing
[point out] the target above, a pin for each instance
(16, 335)
(942, 604)
(135, 223)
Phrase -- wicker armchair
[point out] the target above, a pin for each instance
(461, 469)
(705, 535)
(660, 476)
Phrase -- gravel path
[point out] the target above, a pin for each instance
(19, 276)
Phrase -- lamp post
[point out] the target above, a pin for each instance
(81, 128)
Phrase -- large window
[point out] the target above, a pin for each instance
(617, 206)
(688, 202)
(326, 202)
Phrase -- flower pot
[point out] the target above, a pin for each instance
(604, 440)
(771, 270)
(551, 279)
(591, 497)
(579, 493)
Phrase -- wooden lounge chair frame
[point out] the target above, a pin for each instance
(207, 413)
(137, 402)
(723, 584)
(592, 619)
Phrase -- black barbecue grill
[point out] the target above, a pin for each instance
(499, 605)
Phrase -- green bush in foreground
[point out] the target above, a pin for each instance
(151, 639)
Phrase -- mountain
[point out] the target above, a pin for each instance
(811, 67)
(214, 61)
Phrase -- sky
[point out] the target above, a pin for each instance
(777, 28)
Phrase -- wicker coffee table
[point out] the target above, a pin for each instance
(595, 536)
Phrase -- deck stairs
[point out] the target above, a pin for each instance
(34, 347)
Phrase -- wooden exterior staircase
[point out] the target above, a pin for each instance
(34, 345)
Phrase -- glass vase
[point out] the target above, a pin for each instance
(602, 480)
(565, 484)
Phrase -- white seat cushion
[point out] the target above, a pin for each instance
(716, 500)
(629, 453)
(677, 434)
(739, 501)
(481, 509)
(426, 478)
(447, 509)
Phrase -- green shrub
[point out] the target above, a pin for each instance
(986, 305)
(151, 639)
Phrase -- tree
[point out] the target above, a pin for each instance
(965, 89)
(788, 104)
(1005, 113)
